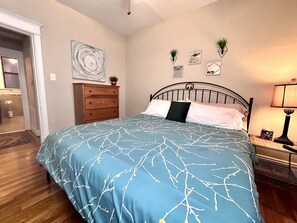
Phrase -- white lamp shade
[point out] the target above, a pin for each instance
(285, 96)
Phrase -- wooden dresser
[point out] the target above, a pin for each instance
(94, 102)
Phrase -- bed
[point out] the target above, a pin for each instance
(148, 168)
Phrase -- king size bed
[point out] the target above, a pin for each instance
(154, 168)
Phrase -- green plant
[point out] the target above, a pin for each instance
(222, 43)
(113, 78)
(173, 53)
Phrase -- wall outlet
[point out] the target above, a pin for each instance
(53, 77)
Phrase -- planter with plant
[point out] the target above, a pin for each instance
(222, 45)
(113, 80)
(173, 54)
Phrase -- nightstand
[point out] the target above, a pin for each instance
(270, 168)
(266, 144)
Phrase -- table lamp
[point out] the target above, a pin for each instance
(285, 96)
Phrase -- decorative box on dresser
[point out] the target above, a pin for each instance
(95, 102)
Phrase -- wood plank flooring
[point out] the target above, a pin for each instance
(26, 197)
(277, 204)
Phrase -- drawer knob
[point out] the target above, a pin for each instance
(114, 92)
(114, 102)
(90, 102)
(91, 113)
(90, 91)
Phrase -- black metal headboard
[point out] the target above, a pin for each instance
(203, 92)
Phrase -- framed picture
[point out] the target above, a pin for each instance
(178, 71)
(88, 63)
(213, 68)
(195, 57)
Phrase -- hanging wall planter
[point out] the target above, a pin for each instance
(173, 54)
(222, 47)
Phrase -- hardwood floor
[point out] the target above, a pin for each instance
(277, 204)
(25, 195)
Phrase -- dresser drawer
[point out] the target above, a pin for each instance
(94, 103)
(100, 119)
(103, 113)
(90, 91)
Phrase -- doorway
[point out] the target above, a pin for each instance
(12, 112)
(31, 29)
(18, 107)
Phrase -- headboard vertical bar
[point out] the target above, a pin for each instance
(209, 96)
(172, 95)
(217, 99)
(195, 94)
(202, 97)
(184, 94)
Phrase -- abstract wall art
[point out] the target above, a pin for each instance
(88, 63)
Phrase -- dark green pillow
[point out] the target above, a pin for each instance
(178, 111)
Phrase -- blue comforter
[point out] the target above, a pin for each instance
(149, 169)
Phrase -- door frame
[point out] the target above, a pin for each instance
(25, 26)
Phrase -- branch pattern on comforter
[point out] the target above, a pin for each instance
(148, 169)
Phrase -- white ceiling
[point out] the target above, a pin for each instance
(144, 13)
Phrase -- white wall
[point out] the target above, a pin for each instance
(262, 38)
(60, 25)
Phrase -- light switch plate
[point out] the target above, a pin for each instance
(53, 77)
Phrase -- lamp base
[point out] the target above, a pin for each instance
(284, 140)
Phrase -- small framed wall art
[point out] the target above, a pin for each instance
(178, 71)
(214, 68)
(195, 57)
(88, 63)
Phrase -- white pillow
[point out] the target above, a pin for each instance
(228, 118)
(238, 107)
(158, 108)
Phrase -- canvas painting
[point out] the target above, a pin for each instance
(88, 63)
